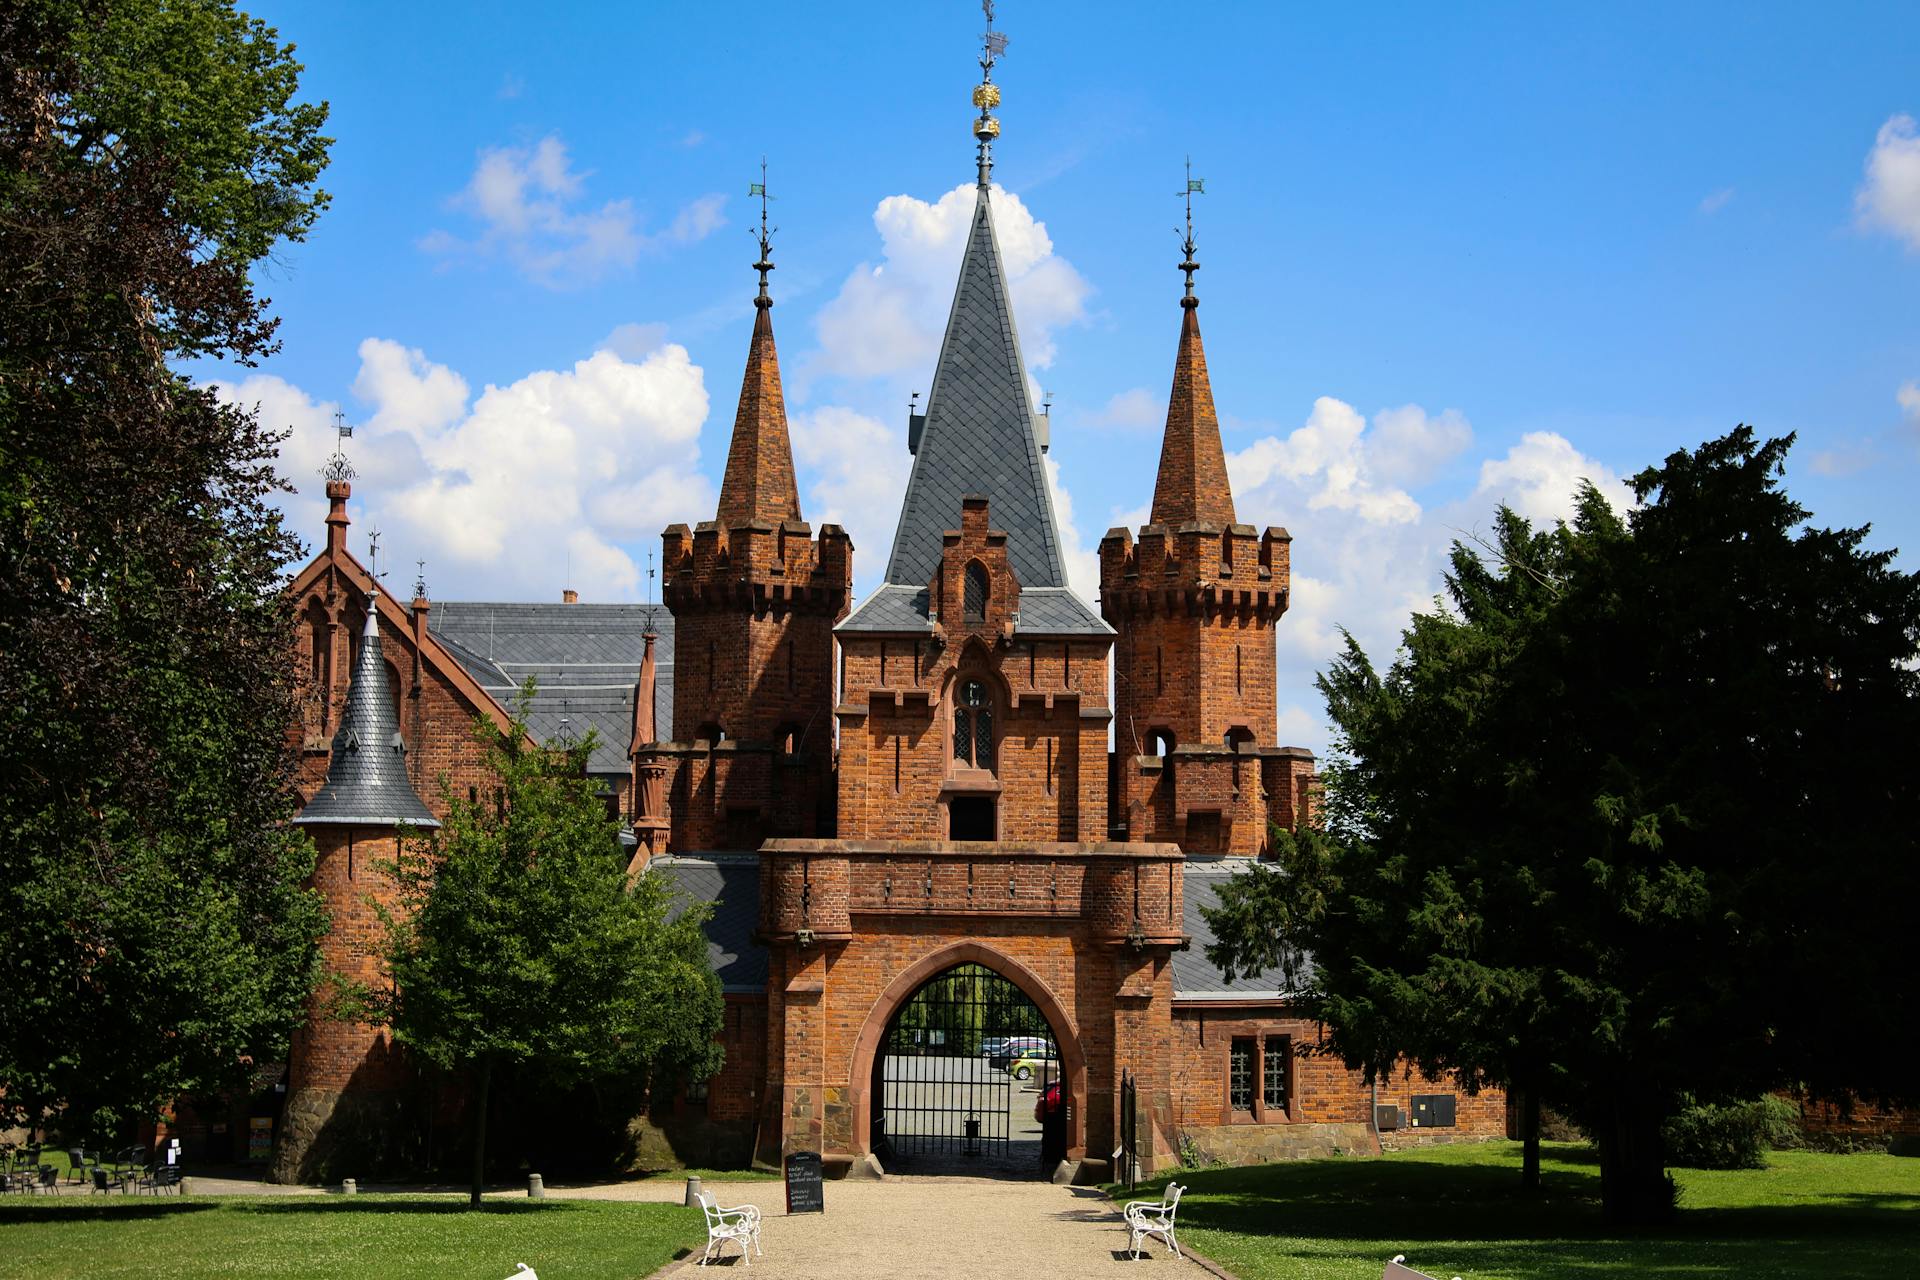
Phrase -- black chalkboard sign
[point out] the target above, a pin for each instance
(806, 1189)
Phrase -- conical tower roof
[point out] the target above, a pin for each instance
(1192, 484)
(759, 483)
(979, 435)
(367, 784)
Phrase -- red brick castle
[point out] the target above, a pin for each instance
(969, 802)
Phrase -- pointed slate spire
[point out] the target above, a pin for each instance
(367, 784)
(979, 435)
(1192, 484)
(759, 484)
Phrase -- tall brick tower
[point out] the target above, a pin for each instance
(1195, 604)
(344, 1080)
(754, 597)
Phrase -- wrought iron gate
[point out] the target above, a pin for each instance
(967, 1077)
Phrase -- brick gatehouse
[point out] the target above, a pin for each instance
(970, 771)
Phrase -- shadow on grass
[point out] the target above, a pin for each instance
(422, 1205)
(100, 1210)
(1470, 1216)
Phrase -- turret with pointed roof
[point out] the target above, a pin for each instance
(367, 783)
(754, 596)
(1196, 603)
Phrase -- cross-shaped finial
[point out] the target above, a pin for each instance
(1195, 187)
(766, 236)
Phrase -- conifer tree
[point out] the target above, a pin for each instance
(1628, 822)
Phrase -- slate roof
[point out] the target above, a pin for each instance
(367, 783)
(1194, 977)
(584, 658)
(731, 882)
(1044, 611)
(978, 438)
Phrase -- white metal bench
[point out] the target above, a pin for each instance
(523, 1272)
(1153, 1218)
(740, 1225)
(1399, 1270)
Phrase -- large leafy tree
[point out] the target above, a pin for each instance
(1630, 821)
(521, 945)
(150, 893)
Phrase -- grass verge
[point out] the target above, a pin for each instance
(403, 1237)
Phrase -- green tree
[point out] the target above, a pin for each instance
(150, 890)
(520, 943)
(1601, 831)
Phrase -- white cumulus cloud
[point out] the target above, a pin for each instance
(1908, 397)
(888, 317)
(529, 203)
(561, 471)
(1889, 196)
(1540, 476)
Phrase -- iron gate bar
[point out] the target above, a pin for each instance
(940, 1094)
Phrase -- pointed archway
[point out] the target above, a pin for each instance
(909, 981)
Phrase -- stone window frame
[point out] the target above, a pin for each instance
(1261, 1033)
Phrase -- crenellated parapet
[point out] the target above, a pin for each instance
(759, 566)
(1195, 570)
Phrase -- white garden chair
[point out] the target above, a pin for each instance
(740, 1225)
(1399, 1270)
(1153, 1218)
(523, 1272)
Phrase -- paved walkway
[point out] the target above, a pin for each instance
(934, 1227)
(942, 1228)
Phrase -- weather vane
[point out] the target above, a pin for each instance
(338, 470)
(373, 554)
(1195, 187)
(420, 580)
(986, 94)
(766, 236)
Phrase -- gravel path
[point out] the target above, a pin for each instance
(934, 1227)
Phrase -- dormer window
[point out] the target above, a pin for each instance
(974, 601)
(973, 726)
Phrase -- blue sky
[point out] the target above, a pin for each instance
(1450, 259)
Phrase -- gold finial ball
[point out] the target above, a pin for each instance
(986, 128)
(986, 96)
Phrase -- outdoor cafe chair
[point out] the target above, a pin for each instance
(1153, 1218)
(740, 1225)
(105, 1179)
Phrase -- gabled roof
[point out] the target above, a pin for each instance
(979, 436)
(367, 783)
(584, 659)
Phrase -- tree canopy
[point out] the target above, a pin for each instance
(521, 943)
(1627, 822)
(150, 890)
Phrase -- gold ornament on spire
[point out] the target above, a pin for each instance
(986, 95)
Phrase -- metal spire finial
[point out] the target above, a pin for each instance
(766, 236)
(986, 94)
(373, 554)
(1195, 187)
(420, 580)
(338, 470)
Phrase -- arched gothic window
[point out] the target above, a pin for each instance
(973, 726)
(974, 605)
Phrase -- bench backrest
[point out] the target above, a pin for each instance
(1173, 1199)
(710, 1207)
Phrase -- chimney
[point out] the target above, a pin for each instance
(569, 596)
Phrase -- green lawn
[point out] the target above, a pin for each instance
(403, 1237)
(1458, 1210)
